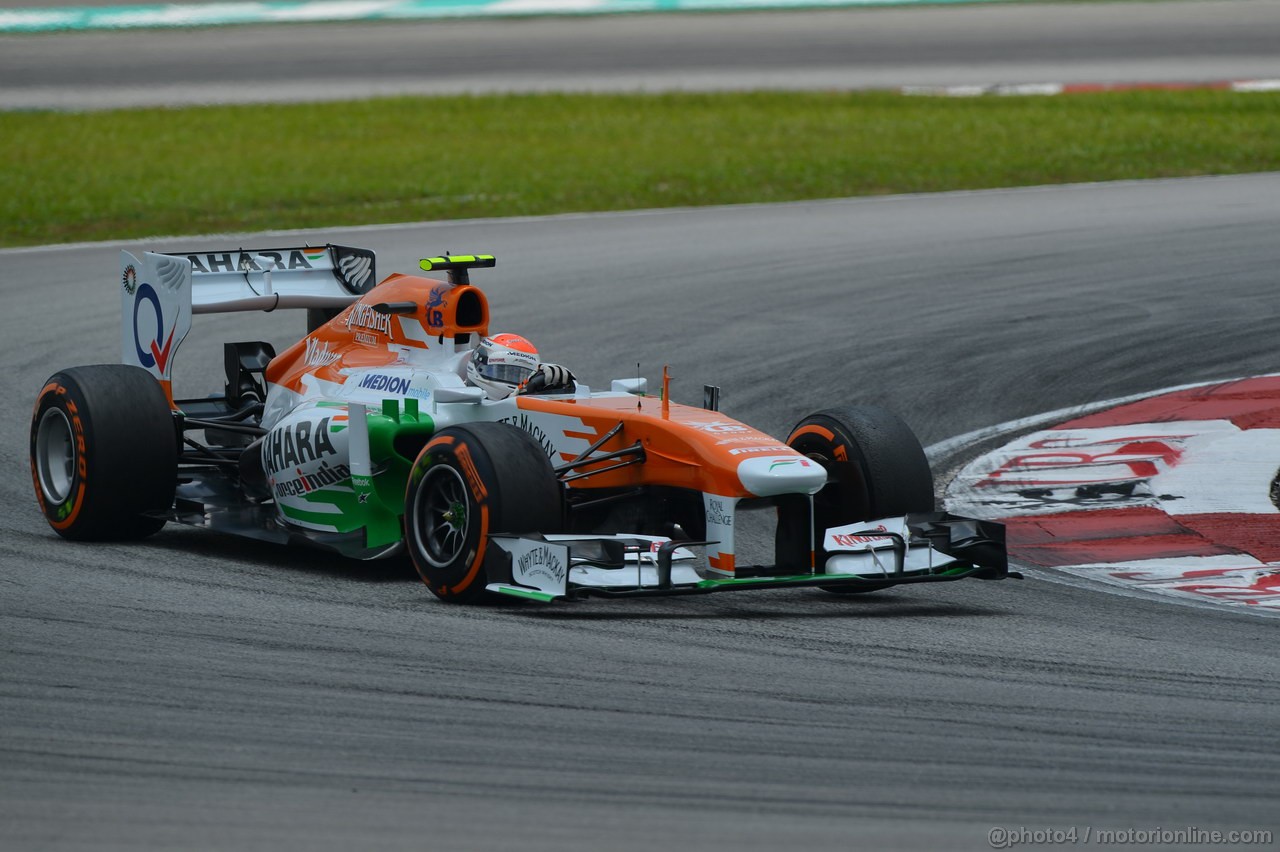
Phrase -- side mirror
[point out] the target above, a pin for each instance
(457, 394)
(637, 386)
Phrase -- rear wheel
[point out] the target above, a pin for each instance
(467, 483)
(104, 453)
(876, 469)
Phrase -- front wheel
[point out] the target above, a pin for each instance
(104, 453)
(876, 468)
(467, 483)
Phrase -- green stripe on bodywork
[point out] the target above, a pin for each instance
(524, 594)
(384, 506)
(377, 504)
(955, 570)
(348, 517)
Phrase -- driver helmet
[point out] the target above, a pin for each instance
(502, 363)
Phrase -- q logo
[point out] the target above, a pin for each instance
(157, 354)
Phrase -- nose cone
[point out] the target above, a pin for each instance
(792, 474)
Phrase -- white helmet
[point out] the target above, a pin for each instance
(502, 363)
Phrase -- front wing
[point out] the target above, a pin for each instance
(921, 548)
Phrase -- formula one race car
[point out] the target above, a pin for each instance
(366, 438)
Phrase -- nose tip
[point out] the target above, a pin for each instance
(789, 474)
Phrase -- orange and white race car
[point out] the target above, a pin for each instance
(367, 437)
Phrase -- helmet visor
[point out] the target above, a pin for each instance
(510, 374)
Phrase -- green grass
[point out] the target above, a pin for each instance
(134, 173)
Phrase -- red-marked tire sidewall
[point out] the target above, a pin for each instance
(103, 453)
(467, 483)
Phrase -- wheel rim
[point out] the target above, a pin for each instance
(55, 456)
(441, 516)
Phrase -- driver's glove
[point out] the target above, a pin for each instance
(549, 377)
(554, 376)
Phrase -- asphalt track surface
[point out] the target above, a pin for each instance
(835, 49)
(194, 691)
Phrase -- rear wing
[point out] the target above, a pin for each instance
(265, 279)
(160, 293)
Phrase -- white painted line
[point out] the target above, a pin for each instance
(1036, 89)
(1256, 86)
(940, 451)
(212, 14)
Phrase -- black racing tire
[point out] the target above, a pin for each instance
(876, 469)
(104, 453)
(469, 482)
